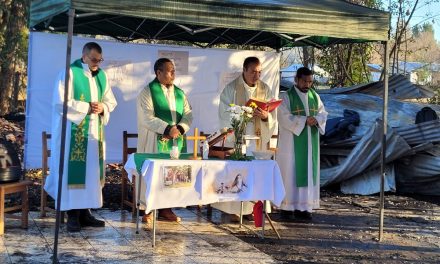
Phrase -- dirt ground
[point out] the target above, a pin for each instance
(344, 230)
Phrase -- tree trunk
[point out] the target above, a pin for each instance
(307, 60)
(7, 55)
(14, 103)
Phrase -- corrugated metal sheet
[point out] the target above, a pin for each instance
(399, 88)
(420, 133)
(419, 174)
(369, 107)
(365, 156)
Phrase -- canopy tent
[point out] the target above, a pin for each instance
(269, 23)
(274, 24)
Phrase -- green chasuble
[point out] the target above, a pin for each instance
(301, 142)
(79, 134)
(162, 111)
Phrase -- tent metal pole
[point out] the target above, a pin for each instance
(71, 15)
(384, 138)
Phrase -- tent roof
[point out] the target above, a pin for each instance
(274, 24)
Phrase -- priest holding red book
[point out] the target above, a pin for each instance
(248, 85)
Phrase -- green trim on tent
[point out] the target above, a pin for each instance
(261, 23)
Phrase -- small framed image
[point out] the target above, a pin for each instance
(177, 176)
(233, 183)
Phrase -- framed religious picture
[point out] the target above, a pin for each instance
(233, 183)
(177, 176)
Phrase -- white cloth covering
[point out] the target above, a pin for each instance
(91, 195)
(264, 179)
(297, 198)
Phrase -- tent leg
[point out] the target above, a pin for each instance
(71, 15)
(384, 135)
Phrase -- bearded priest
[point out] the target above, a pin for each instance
(302, 117)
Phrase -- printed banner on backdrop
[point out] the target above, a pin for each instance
(179, 58)
(226, 78)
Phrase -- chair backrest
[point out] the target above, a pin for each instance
(125, 148)
(275, 149)
(45, 151)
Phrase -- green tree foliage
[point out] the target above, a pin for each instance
(347, 63)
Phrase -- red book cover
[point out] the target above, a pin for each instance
(269, 105)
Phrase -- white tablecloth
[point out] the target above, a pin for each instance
(262, 179)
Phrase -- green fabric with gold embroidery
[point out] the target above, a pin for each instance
(79, 134)
(301, 148)
(162, 111)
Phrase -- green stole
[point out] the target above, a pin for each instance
(162, 111)
(301, 141)
(79, 134)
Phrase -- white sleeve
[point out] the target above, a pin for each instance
(321, 117)
(76, 110)
(109, 103)
(146, 113)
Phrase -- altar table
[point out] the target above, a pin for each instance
(167, 183)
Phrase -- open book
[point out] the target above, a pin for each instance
(270, 105)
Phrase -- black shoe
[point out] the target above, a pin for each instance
(302, 215)
(286, 215)
(87, 219)
(73, 221)
(307, 215)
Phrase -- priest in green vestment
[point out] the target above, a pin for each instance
(90, 102)
(301, 119)
(239, 91)
(163, 115)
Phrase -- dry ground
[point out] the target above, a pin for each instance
(344, 230)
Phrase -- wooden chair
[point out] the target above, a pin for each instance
(9, 188)
(126, 185)
(45, 171)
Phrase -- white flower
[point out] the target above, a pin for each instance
(248, 109)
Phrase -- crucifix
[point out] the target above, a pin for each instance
(196, 138)
(313, 111)
(298, 111)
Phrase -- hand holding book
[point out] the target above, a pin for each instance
(269, 106)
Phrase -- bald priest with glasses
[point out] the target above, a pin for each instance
(90, 102)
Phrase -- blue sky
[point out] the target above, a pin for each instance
(425, 13)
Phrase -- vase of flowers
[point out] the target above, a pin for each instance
(240, 116)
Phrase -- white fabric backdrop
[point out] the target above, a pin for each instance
(129, 68)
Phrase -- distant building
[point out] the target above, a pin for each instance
(289, 73)
(417, 72)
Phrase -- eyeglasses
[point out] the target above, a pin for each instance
(94, 60)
